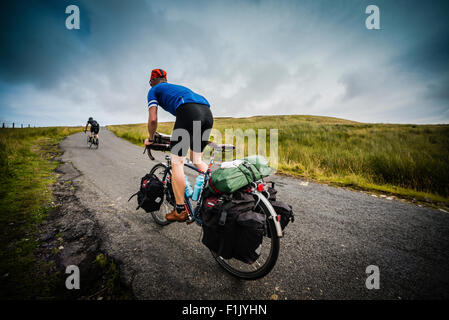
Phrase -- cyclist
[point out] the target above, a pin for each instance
(94, 127)
(193, 120)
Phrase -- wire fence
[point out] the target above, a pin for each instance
(15, 125)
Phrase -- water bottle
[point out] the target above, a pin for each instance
(198, 185)
(188, 190)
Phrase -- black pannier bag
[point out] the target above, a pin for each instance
(231, 228)
(249, 236)
(281, 208)
(271, 192)
(210, 216)
(285, 211)
(151, 193)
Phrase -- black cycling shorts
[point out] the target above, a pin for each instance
(192, 121)
(95, 129)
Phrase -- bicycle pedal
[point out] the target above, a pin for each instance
(190, 219)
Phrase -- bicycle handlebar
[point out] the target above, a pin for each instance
(157, 147)
(163, 144)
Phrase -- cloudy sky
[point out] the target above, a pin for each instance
(246, 57)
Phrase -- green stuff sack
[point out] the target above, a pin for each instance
(261, 164)
(229, 180)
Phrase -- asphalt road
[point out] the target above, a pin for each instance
(324, 254)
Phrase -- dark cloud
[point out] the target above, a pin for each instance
(428, 61)
(430, 57)
(36, 46)
(423, 38)
(439, 91)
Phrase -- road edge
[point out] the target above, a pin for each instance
(71, 235)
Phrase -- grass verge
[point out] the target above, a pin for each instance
(26, 176)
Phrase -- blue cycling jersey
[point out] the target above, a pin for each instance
(171, 96)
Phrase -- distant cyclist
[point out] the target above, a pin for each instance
(94, 127)
(193, 120)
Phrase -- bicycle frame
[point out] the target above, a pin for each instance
(194, 212)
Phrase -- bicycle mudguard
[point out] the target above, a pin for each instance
(273, 213)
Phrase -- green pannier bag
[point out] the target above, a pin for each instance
(229, 180)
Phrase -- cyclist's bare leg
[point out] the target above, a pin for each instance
(196, 158)
(178, 178)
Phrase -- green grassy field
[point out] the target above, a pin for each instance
(409, 161)
(26, 174)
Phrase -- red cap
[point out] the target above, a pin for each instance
(158, 73)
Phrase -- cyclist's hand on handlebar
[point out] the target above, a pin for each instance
(147, 143)
(147, 148)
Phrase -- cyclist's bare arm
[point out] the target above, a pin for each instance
(152, 123)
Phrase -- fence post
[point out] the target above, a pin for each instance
(13, 125)
(28, 125)
(3, 125)
(22, 125)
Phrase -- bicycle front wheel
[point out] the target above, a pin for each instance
(169, 203)
(269, 251)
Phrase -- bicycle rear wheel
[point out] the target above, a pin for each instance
(269, 251)
(89, 142)
(169, 203)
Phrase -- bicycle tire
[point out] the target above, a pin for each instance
(269, 263)
(97, 143)
(89, 143)
(159, 216)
